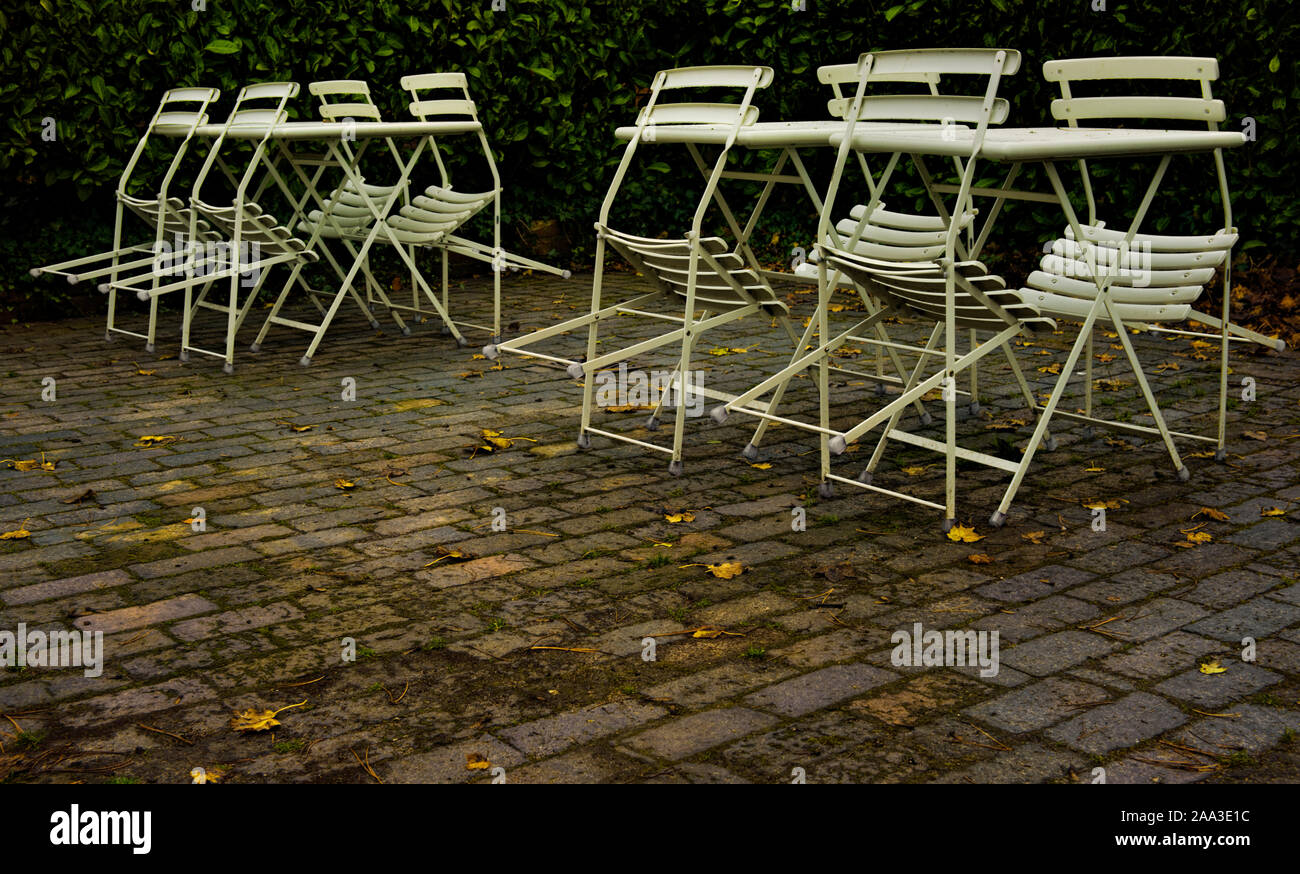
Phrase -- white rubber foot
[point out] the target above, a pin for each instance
(184, 355)
(304, 361)
(881, 391)
(575, 371)
(826, 489)
(948, 524)
(719, 413)
(256, 347)
(926, 418)
(866, 477)
(108, 336)
(1184, 474)
(73, 280)
(374, 324)
(1220, 455)
(462, 342)
(565, 274)
(35, 272)
(675, 467)
(228, 367)
(103, 288)
(837, 445)
(490, 352)
(750, 452)
(142, 295)
(998, 519)
(652, 424)
(584, 440)
(1049, 444)
(406, 330)
(148, 347)
(975, 409)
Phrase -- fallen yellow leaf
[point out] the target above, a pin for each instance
(684, 516)
(475, 762)
(962, 534)
(979, 558)
(1213, 668)
(727, 570)
(343, 484)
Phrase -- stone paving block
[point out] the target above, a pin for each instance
(1162, 656)
(212, 558)
(64, 587)
(1128, 721)
(147, 614)
(1215, 690)
(1036, 706)
(555, 734)
(822, 688)
(1047, 655)
(448, 764)
(688, 735)
(1256, 618)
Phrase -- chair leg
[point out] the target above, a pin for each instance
(1179, 467)
(1049, 442)
(589, 382)
(869, 471)
(999, 516)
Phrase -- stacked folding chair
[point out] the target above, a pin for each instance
(1155, 277)
(246, 226)
(705, 283)
(428, 220)
(904, 264)
(173, 223)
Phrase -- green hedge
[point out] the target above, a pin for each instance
(554, 77)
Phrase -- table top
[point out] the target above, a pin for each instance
(765, 134)
(324, 130)
(1042, 143)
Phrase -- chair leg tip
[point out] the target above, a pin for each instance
(926, 418)
(184, 355)
(406, 330)
(228, 367)
(1184, 474)
(256, 347)
(719, 413)
(881, 391)
(675, 467)
(148, 347)
(565, 274)
(1050, 444)
(461, 342)
(575, 371)
(866, 477)
(374, 324)
(304, 361)
(975, 409)
(998, 519)
(1220, 455)
(837, 445)
(584, 440)
(825, 489)
(490, 352)
(750, 452)
(652, 424)
(948, 525)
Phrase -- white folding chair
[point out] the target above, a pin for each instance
(169, 217)
(698, 276)
(254, 239)
(1175, 261)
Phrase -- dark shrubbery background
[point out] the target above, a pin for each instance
(553, 78)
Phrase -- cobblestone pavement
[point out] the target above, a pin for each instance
(1103, 634)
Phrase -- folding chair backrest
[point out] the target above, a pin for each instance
(442, 107)
(1072, 109)
(361, 106)
(250, 110)
(931, 66)
(839, 75)
(170, 115)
